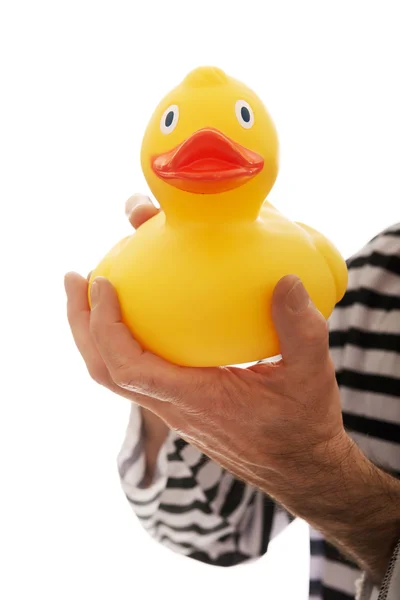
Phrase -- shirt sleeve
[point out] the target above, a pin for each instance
(390, 589)
(364, 343)
(195, 507)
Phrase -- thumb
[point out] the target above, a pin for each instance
(302, 330)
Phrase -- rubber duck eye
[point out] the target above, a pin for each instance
(169, 120)
(244, 114)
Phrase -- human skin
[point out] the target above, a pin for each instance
(277, 426)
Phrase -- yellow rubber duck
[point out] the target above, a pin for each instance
(195, 282)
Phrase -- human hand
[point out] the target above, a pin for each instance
(277, 426)
(257, 422)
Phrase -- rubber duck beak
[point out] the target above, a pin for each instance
(208, 162)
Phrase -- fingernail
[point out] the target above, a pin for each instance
(297, 299)
(135, 201)
(94, 292)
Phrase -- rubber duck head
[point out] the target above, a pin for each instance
(210, 150)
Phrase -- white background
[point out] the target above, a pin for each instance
(79, 80)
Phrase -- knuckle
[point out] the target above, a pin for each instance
(94, 324)
(318, 334)
(123, 377)
(98, 331)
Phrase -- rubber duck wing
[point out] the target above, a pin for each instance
(333, 258)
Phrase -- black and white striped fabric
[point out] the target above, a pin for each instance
(197, 509)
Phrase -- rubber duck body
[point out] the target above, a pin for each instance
(195, 282)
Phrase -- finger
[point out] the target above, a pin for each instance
(130, 366)
(78, 313)
(79, 319)
(141, 214)
(139, 209)
(301, 328)
(77, 299)
(134, 201)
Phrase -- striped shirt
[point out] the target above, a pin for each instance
(198, 509)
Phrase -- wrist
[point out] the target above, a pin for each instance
(351, 501)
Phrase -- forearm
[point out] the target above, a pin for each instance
(154, 433)
(353, 503)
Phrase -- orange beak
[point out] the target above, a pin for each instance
(208, 162)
